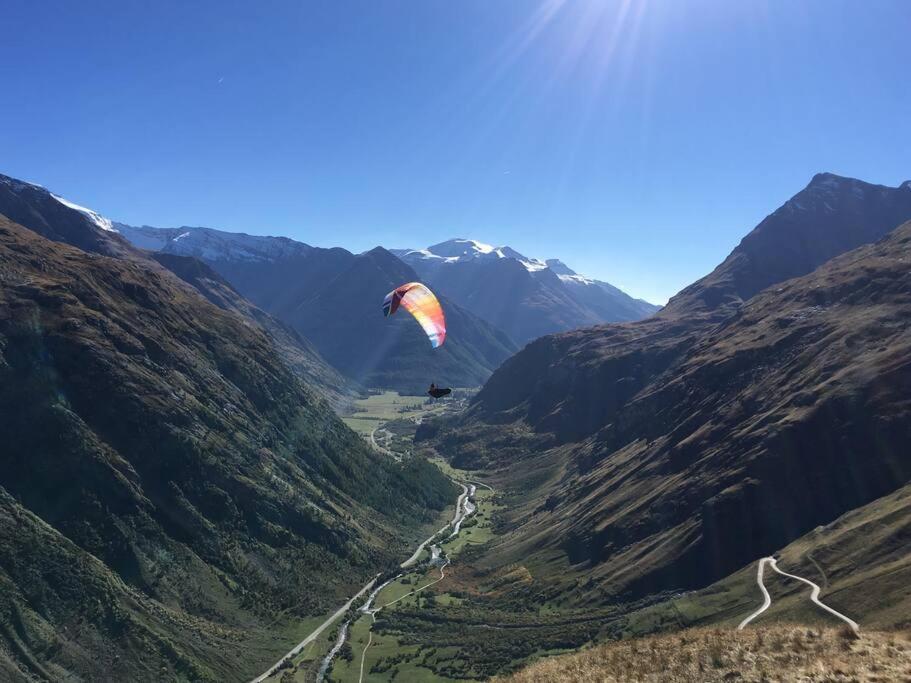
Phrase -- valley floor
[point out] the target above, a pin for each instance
(455, 615)
(370, 652)
(366, 652)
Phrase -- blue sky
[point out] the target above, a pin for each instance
(636, 140)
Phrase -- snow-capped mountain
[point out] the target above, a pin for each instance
(524, 296)
(208, 244)
(462, 250)
(59, 219)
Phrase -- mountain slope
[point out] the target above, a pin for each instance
(298, 353)
(525, 297)
(164, 436)
(333, 297)
(667, 453)
(572, 400)
(60, 220)
(860, 561)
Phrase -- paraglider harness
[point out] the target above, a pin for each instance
(438, 392)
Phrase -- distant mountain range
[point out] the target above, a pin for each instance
(768, 398)
(333, 298)
(523, 296)
(516, 295)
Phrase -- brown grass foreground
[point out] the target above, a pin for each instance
(782, 653)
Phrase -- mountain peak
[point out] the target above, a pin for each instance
(827, 179)
(830, 216)
(38, 209)
(461, 247)
(380, 254)
(20, 186)
(823, 184)
(559, 267)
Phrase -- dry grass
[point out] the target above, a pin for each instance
(783, 653)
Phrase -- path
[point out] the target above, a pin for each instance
(814, 595)
(381, 449)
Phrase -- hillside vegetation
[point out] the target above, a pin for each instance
(160, 445)
(782, 653)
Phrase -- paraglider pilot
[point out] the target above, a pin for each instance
(438, 392)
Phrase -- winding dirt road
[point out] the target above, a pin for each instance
(381, 449)
(814, 595)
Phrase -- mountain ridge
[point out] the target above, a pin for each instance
(524, 296)
(332, 298)
(831, 215)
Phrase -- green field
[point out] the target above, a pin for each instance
(388, 659)
(371, 412)
(477, 529)
(385, 659)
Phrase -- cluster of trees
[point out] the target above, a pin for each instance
(456, 641)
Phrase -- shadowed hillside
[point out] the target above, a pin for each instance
(667, 453)
(298, 353)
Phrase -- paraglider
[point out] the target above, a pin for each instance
(423, 305)
(438, 392)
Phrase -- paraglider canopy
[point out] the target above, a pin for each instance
(418, 300)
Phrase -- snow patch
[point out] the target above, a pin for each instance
(464, 250)
(211, 245)
(96, 218)
(19, 185)
(533, 265)
(577, 279)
